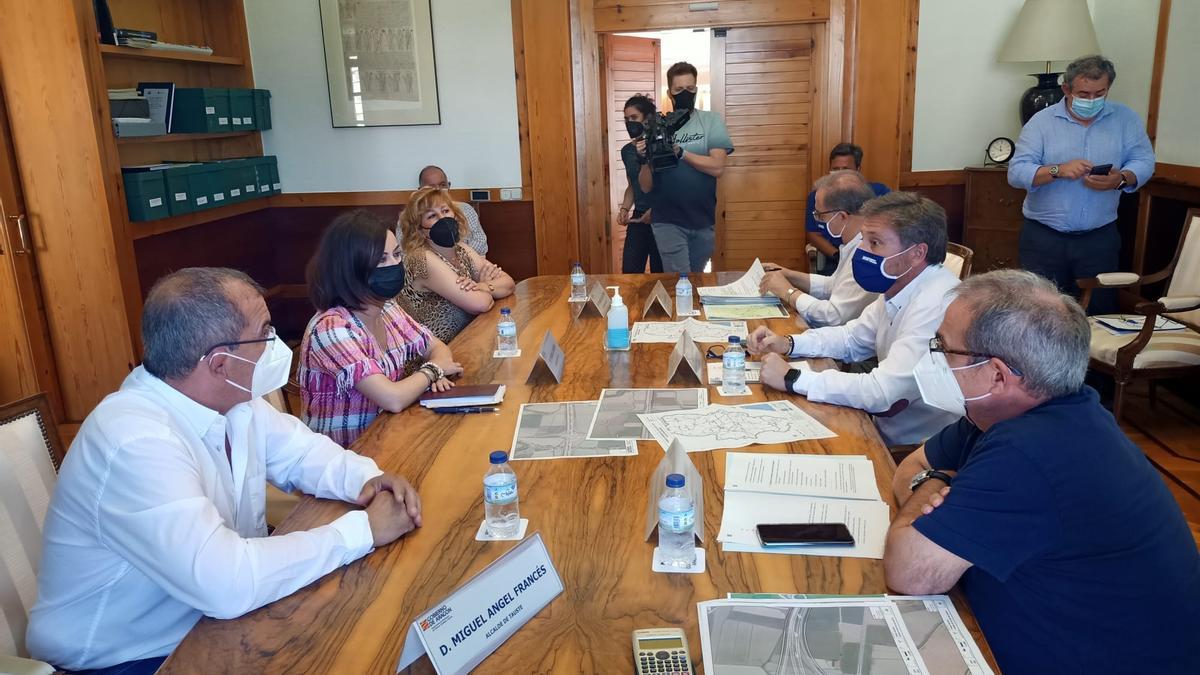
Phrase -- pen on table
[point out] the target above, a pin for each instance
(449, 411)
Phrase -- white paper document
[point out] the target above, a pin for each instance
(757, 311)
(617, 412)
(1123, 324)
(745, 287)
(836, 476)
(753, 372)
(719, 426)
(744, 511)
(701, 331)
(558, 430)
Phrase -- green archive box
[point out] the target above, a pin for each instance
(241, 109)
(209, 191)
(201, 110)
(182, 186)
(240, 179)
(273, 164)
(262, 109)
(145, 195)
(263, 176)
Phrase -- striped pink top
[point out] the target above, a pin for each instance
(338, 352)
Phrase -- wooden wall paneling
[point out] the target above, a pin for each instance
(629, 66)
(591, 169)
(843, 22)
(63, 173)
(716, 87)
(768, 102)
(629, 15)
(547, 36)
(1156, 73)
(522, 93)
(880, 63)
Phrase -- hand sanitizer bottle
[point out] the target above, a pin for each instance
(617, 337)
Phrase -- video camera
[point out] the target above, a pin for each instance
(660, 138)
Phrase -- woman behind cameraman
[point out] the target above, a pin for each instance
(635, 207)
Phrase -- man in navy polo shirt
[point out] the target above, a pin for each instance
(843, 157)
(1071, 551)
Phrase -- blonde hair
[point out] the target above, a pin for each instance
(410, 233)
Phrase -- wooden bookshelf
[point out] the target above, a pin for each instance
(168, 55)
(179, 138)
(150, 228)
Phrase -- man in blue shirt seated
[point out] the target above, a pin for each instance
(1071, 551)
(1070, 229)
(843, 157)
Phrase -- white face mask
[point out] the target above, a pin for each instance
(271, 370)
(939, 388)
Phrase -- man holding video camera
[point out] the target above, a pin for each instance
(1074, 159)
(683, 154)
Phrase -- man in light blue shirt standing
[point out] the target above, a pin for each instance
(1070, 229)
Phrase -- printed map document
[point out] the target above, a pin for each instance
(701, 331)
(719, 426)
(867, 520)
(783, 634)
(617, 412)
(557, 430)
(745, 287)
(838, 476)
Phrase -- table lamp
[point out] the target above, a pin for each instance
(1048, 30)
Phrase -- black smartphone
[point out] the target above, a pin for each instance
(1101, 170)
(805, 534)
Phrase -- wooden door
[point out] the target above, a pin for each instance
(764, 85)
(26, 364)
(630, 65)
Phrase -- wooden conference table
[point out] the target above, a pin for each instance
(590, 512)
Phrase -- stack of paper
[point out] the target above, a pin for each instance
(742, 291)
(768, 489)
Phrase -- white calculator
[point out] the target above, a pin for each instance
(661, 651)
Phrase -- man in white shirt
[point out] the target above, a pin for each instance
(903, 246)
(433, 176)
(837, 299)
(159, 513)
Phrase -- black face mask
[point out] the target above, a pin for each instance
(635, 129)
(386, 282)
(444, 232)
(684, 100)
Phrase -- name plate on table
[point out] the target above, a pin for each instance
(675, 461)
(549, 362)
(597, 302)
(685, 362)
(478, 617)
(660, 298)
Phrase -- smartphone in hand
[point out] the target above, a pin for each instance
(1100, 170)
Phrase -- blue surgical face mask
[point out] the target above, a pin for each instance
(868, 270)
(824, 225)
(1087, 108)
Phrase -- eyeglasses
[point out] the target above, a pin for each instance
(936, 344)
(817, 214)
(271, 335)
(712, 352)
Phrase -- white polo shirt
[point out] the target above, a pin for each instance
(152, 526)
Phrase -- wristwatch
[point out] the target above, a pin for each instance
(790, 292)
(1123, 184)
(789, 380)
(927, 474)
(1054, 171)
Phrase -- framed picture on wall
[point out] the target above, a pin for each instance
(379, 62)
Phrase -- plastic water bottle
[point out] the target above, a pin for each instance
(733, 365)
(683, 296)
(618, 322)
(506, 333)
(676, 525)
(500, 497)
(578, 282)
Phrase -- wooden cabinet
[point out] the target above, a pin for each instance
(992, 222)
